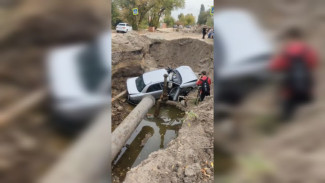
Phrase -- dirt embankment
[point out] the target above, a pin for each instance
(188, 158)
(134, 54)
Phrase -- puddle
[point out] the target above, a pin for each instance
(151, 135)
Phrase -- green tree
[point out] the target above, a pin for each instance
(169, 20)
(115, 14)
(189, 19)
(202, 19)
(181, 19)
(144, 6)
(209, 21)
(163, 7)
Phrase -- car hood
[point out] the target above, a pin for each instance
(187, 74)
(63, 74)
(131, 86)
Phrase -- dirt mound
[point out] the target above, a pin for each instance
(188, 158)
(134, 54)
(194, 53)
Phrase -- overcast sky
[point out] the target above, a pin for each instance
(193, 6)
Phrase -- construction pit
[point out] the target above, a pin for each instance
(178, 144)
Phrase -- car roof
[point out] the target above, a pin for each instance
(154, 76)
(241, 37)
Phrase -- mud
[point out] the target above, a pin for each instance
(188, 158)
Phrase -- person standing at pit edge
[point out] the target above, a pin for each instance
(204, 32)
(297, 61)
(204, 82)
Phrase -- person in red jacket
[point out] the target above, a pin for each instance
(204, 82)
(296, 61)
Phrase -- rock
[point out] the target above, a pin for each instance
(120, 108)
(24, 141)
(192, 170)
(174, 180)
(146, 138)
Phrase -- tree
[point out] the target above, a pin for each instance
(144, 6)
(163, 7)
(115, 14)
(189, 19)
(169, 20)
(209, 21)
(202, 16)
(181, 19)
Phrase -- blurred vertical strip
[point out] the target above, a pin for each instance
(54, 105)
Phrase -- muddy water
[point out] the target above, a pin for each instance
(152, 134)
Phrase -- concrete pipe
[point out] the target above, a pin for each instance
(123, 132)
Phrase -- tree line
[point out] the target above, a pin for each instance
(152, 12)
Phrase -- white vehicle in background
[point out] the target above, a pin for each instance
(79, 78)
(123, 27)
(180, 82)
(243, 52)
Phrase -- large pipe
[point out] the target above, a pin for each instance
(88, 159)
(123, 132)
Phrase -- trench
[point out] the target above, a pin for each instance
(152, 134)
(154, 55)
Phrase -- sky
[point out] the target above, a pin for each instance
(193, 6)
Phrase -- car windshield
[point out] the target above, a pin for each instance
(140, 83)
(91, 68)
(121, 24)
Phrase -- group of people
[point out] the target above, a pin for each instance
(206, 31)
(297, 62)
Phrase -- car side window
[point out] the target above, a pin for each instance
(153, 88)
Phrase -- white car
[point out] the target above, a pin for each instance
(242, 53)
(180, 82)
(123, 27)
(79, 78)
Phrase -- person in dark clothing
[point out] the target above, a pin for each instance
(205, 83)
(204, 32)
(297, 61)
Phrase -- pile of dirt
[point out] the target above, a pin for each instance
(134, 54)
(188, 158)
(194, 53)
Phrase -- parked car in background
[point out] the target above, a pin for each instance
(123, 27)
(243, 51)
(79, 78)
(180, 82)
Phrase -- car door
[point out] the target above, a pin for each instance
(129, 27)
(155, 90)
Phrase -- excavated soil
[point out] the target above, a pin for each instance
(189, 157)
(134, 54)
